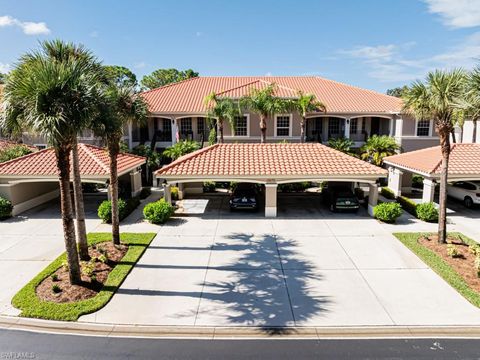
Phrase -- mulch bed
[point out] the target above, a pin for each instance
(463, 264)
(89, 288)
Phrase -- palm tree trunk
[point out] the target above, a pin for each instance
(263, 129)
(442, 218)
(474, 133)
(63, 165)
(220, 130)
(79, 206)
(454, 137)
(302, 129)
(113, 150)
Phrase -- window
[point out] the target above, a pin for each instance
(423, 128)
(282, 123)
(203, 127)
(166, 133)
(333, 126)
(186, 126)
(353, 126)
(241, 126)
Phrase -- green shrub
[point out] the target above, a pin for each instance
(125, 208)
(387, 212)
(6, 208)
(417, 181)
(427, 212)
(452, 251)
(56, 289)
(474, 249)
(477, 265)
(387, 193)
(408, 205)
(13, 152)
(158, 212)
(209, 186)
(295, 187)
(54, 277)
(174, 192)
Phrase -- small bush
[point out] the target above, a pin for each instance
(387, 212)
(209, 186)
(477, 265)
(88, 267)
(427, 212)
(158, 212)
(387, 193)
(56, 289)
(125, 208)
(174, 192)
(408, 205)
(103, 258)
(452, 251)
(474, 249)
(146, 191)
(417, 181)
(54, 277)
(6, 208)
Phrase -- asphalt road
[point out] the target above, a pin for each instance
(29, 345)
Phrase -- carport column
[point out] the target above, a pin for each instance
(347, 128)
(174, 130)
(270, 200)
(372, 198)
(395, 180)
(398, 129)
(428, 190)
(136, 182)
(167, 193)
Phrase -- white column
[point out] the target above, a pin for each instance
(167, 193)
(372, 197)
(395, 180)
(130, 140)
(270, 200)
(428, 190)
(174, 130)
(399, 130)
(347, 129)
(391, 126)
(181, 191)
(136, 182)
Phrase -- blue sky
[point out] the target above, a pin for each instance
(376, 44)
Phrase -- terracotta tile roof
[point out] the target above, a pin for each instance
(5, 144)
(94, 161)
(188, 96)
(464, 160)
(270, 160)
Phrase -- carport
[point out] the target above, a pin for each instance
(32, 179)
(270, 165)
(464, 164)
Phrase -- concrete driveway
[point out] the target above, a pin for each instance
(307, 267)
(29, 242)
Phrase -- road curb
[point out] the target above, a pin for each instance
(143, 331)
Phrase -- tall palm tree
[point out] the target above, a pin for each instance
(46, 96)
(473, 99)
(121, 105)
(304, 104)
(60, 51)
(378, 147)
(222, 109)
(265, 104)
(440, 97)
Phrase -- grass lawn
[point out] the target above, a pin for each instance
(31, 306)
(439, 265)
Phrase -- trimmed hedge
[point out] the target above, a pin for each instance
(158, 212)
(174, 192)
(125, 208)
(6, 208)
(387, 193)
(31, 306)
(387, 212)
(408, 205)
(427, 212)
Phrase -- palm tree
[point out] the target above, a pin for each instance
(304, 104)
(265, 104)
(222, 109)
(473, 99)
(121, 106)
(441, 98)
(341, 144)
(45, 96)
(59, 51)
(378, 147)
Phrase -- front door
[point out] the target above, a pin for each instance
(374, 126)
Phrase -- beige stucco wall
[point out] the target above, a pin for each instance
(19, 193)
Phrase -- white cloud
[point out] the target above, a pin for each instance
(28, 27)
(4, 68)
(456, 13)
(198, 34)
(140, 65)
(391, 63)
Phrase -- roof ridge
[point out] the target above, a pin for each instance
(170, 85)
(281, 86)
(239, 86)
(86, 147)
(34, 153)
(186, 157)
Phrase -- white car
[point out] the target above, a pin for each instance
(466, 191)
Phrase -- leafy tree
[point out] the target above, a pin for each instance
(473, 99)
(398, 91)
(163, 77)
(13, 152)
(378, 147)
(304, 104)
(120, 75)
(265, 104)
(120, 106)
(441, 98)
(222, 109)
(48, 96)
(341, 144)
(181, 148)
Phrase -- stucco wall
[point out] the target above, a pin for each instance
(19, 193)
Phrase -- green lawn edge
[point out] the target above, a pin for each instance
(31, 306)
(437, 264)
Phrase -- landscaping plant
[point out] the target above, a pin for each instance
(6, 208)
(387, 212)
(181, 148)
(378, 147)
(452, 250)
(304, 104)
(427, 212)
(221, 109)
(158, 212)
